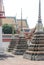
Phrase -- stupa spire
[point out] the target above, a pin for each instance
(39, 16)
(21, 19)
(39, 26)
(2, 12)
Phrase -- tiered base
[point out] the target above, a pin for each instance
(36, 49)
(21, 46)
(13, 44)
(36, 57)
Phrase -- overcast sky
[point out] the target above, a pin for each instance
(29, 10)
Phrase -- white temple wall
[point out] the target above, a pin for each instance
(5, 45)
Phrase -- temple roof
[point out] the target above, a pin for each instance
(14, 21)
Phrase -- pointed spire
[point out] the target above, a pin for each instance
(39, 26)
(21, 19)
(2, 12)
(39, 17)
(21, 13)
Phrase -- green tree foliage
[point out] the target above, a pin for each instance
(7, 29)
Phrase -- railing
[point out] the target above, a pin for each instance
(9, 36)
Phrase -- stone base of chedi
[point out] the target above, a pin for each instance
(36, 49)
(13, 43)
(21, 46)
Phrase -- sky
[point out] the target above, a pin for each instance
(30, 10)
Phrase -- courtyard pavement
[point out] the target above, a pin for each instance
(11, 59)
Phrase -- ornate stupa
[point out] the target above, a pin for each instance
(36, 48)
(21, 46)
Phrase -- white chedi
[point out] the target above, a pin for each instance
(1, 43)
(39, 27)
